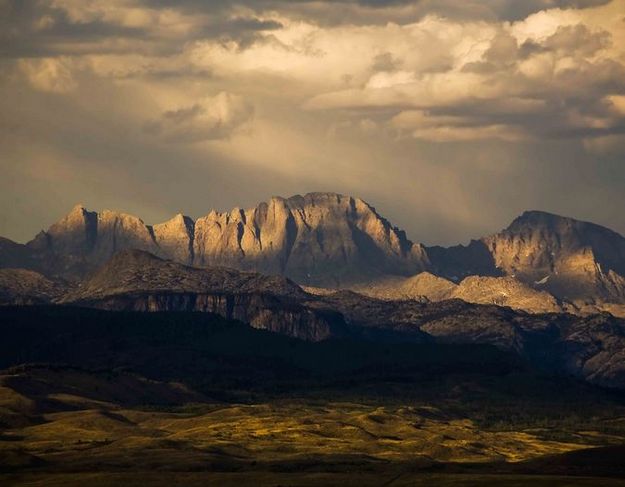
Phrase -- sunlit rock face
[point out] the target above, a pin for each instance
(319, 239)
(506, 291)
(571, 259)
(422, 286)
(83, 240)
(501, 291)
(174, 238)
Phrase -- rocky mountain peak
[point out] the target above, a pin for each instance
(570, 258)
(336, 241)
(539, 216)
(174, 238)
(316, 238)
(574, 260)
(553, 229)
(74, 233)
(78, 208)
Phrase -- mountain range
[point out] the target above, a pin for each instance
(540, 263)
(319, 238)
(326, 266)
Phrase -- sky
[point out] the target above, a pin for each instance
(451, 118)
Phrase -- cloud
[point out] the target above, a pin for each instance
(451, 128)
(337, 12)
(450, 116)
(35, 28)
(211, 118)
(54, 75)
(536, 79)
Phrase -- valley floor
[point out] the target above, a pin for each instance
(298, 443)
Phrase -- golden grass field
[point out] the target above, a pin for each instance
(284, 432)
(278, 443)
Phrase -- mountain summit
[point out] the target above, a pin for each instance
(317, 239)
(571, 259)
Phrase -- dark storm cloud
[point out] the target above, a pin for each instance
(35, 28)
(400, 11)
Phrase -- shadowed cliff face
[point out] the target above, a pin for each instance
(319, 238)
(138, 281)
(460, 261)
(264, 312)
(14, 255)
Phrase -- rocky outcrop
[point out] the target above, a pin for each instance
(265, 312)
(575, 261)
(420, 286)
(500, 291)
(506, 291)
(84, 240)
(451, 320)
(174, 238)
(136, 271)
(134, 280)
(570, 258)
(592, 348)
(24, 287)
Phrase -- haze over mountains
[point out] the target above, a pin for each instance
(540, 263)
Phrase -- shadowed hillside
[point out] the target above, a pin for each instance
(125, 393)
